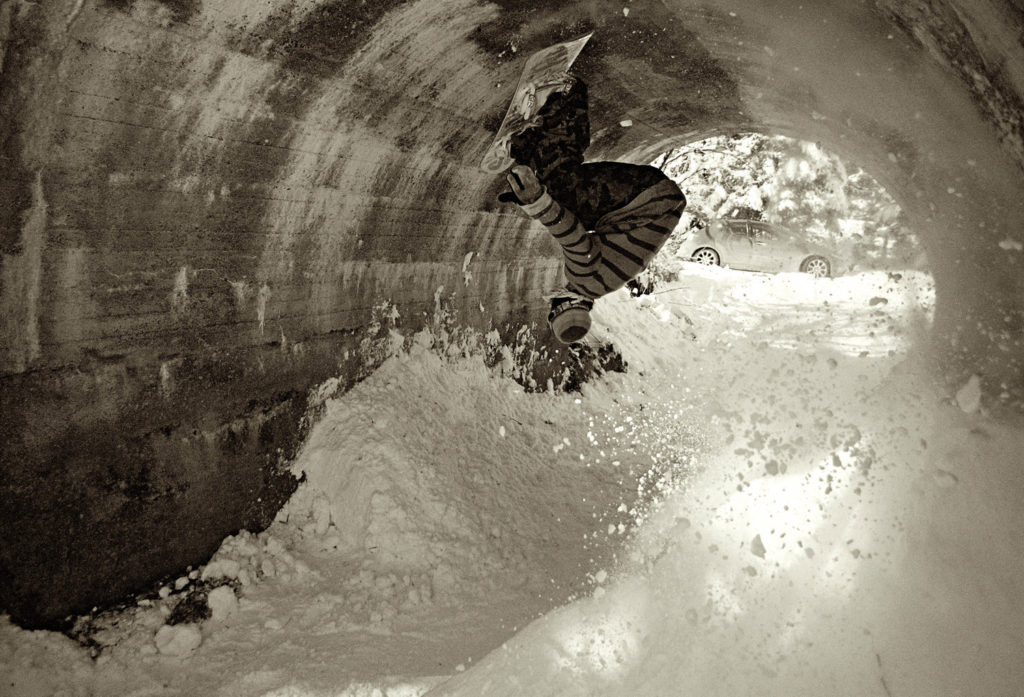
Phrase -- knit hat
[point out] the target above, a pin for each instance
(570, 318)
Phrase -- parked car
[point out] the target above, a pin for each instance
(753, 245)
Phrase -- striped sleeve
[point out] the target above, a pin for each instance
(565, 227)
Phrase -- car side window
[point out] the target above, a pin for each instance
(737, 230)
(760, 232)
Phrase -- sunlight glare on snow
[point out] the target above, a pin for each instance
(769, 542)
(606, 642)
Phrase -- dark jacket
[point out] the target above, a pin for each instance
(554, 151)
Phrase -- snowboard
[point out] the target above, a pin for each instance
(544, 68)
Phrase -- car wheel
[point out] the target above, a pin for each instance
(707, 256)
(817, 267)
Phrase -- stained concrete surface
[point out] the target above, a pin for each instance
(204, 202)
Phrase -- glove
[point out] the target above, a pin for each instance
(525, 188)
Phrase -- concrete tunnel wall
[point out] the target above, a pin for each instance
(205, 200)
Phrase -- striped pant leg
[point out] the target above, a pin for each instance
(627, 245)
(578, 245)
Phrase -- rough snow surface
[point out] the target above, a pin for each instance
(775, 499)
(178, 640)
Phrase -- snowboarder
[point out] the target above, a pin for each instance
(610, 218)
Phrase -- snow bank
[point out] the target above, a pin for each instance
(440, 477)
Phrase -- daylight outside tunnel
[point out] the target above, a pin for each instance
(281, 414)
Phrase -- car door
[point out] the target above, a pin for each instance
(737, 245)
(764, 252)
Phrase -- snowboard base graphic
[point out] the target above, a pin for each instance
(544, 72)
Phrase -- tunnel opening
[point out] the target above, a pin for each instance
(813, 196)
(773, 205)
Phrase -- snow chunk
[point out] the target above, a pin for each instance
(178, 640)
(221, 568)
(757, 547)
(968, 397)
(223, 602)
(754, 199)
(1010, 244)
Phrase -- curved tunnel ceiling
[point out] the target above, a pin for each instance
(205, 200)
